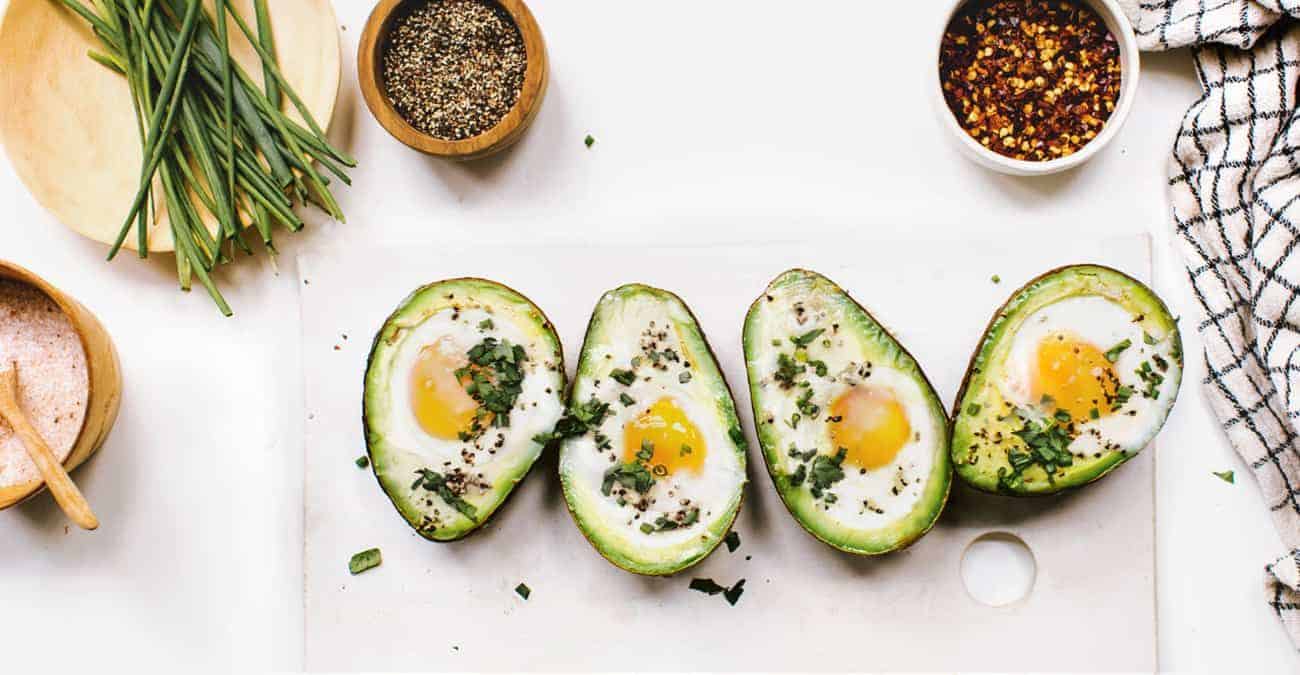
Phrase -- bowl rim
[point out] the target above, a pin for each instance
(505, 132)
(1118, 24)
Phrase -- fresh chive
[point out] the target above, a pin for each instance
(365, 560)
(1113, 353)
(214, 142)
(267, 38)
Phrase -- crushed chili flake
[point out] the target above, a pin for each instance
(1030, 79)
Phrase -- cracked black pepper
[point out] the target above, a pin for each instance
(1030, 79)
(454, 68)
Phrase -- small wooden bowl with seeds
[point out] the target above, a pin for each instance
(459, 79)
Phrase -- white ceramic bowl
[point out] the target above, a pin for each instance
(1130, 63)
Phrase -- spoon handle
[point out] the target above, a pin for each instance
(57, 479)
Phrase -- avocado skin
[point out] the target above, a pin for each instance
(374, 439)
(720, 526)
(772, 446)
(1088, 277)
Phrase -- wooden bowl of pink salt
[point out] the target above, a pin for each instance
(69, 378)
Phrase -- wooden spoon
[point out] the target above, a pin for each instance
(57, 480)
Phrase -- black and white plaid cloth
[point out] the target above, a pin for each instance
(1234, 182)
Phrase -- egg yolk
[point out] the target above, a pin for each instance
(677, 442)
(438, 398)
(872, 426)
(1074, 376)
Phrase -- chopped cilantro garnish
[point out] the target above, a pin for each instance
(801, 456)
(787, 370)
(495, 377)
(1046, 444)
(686, 450)
(1152, 379)
(523, 590)
(1113, 353)
(623, 377)
(632, 475)
(973, 409)
(1094, 414)
(800, 473)
(684, 377)
(737, 436)
(1122, 395)
(819, 367)
(365, 560)
(437, 483)
(626, 400)
(807, 338)
(806, 406)
(712, 587)
(363, 462)
(577, 421)
(826, 471)
(732, 540)
(486, 324)
(1149, 339)
(589, 140)
(706, 586)
(665, 523)
(733, 594)
(1226, 476)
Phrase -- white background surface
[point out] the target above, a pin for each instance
(716, 122)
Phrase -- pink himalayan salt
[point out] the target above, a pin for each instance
(53, 383)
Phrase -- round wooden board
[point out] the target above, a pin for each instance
(67, 122)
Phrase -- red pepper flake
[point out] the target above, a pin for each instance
(1030, 79)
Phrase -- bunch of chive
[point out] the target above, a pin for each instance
(216, 142)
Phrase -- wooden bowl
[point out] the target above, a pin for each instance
(503, 135)
(68, 125)
(105, 379)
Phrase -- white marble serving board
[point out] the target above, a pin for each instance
(806, 607)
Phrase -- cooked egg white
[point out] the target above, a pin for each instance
(431, 409)
(1080, 355)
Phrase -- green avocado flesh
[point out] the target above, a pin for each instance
(1017, 439)
(652, 455)
(809, 349)
(502, 373)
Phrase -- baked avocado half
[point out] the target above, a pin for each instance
(652, 455)
(1075, 374)
(461, 377)
(853, 434)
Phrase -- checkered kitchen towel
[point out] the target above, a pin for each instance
(1234, 181)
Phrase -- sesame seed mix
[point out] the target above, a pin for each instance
(454, 68)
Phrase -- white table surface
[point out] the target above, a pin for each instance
(786, 120)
